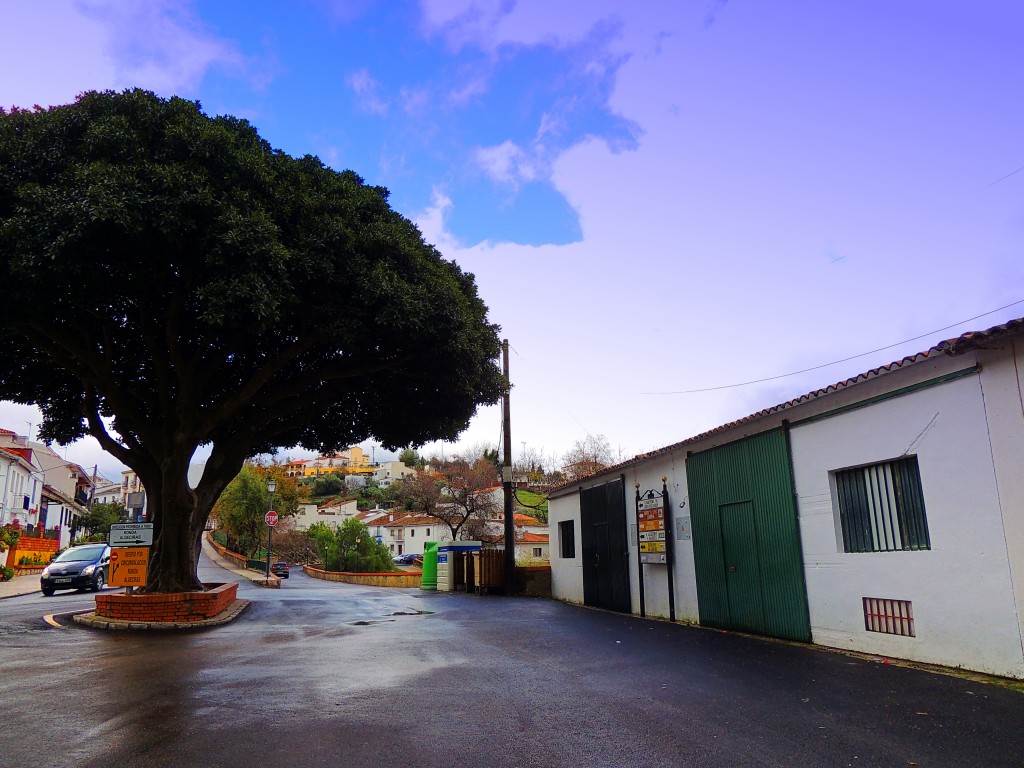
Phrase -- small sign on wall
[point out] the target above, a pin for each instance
(683, 529)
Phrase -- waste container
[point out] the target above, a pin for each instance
(429, 578)
(449, 558)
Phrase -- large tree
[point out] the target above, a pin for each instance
(458, 493)
(172, 281)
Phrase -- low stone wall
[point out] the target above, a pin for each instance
(172, 607)
(240, 560)
(400, 579)
(28, 570)
(534, 580)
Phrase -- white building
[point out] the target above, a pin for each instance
(882, 514)
(21, 488)
(331, 512)
(391, 472)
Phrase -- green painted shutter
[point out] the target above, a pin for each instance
(746, 538)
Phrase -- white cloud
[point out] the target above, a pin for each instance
(64, 47)
(366, 88)
(431, 223)
(507, 163)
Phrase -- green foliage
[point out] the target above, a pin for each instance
(327, 485)
(351, 548)
(410, 458)
(33, 560)
(8, 538)
(99, 517)
(6, 574)
(375, 496)
(532, 504)
(200, 274)
(242, 508)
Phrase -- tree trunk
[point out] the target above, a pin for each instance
(179, 513)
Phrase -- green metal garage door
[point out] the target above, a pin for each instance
(746, 540)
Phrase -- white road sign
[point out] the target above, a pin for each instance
(131, 535)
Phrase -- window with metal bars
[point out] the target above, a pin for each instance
(881, 507)
(890, 617)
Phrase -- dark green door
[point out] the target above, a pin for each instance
(746, 538)
(742, 566)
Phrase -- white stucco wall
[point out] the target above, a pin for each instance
(1002, 381)
(566, 573)
(961, 589)
(656, 602)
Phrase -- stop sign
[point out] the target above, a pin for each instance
(271, 518)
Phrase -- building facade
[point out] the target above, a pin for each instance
(883, 514)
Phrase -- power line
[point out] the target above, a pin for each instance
(1002, 178)
(834, 362)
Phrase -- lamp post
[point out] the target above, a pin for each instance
(271, 487)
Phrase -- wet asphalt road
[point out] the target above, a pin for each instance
(320, 674)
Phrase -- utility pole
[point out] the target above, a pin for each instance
(506, 480)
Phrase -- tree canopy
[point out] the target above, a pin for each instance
(242, 507)
(456, 492)
(177, 282)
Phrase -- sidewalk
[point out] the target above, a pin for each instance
(19, 585)
(256, 578)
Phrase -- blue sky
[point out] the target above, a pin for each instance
(654, 196)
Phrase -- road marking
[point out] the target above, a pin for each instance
(52, 621)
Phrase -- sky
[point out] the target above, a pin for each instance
(655, 197)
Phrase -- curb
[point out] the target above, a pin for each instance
(229, 614)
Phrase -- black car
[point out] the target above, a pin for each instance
(82, 567)
(280, 569)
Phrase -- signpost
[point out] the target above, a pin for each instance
(271, 518)
(131, 535)
(654, 524)
(128, 566)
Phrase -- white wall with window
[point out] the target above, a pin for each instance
(902, 531)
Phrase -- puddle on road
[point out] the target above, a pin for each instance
(370, 622)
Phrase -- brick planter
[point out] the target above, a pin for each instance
(175, 607)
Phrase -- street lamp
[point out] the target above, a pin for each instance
(271, 487)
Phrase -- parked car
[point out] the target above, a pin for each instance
(405, 559)
(83, 567)
(280, 569)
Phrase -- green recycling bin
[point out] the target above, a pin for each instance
(429, 580)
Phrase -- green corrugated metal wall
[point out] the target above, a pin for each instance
(746, 540)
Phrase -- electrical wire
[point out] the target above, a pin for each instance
(834, 362)
(1002, 178)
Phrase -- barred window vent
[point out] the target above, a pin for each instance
(889, 617)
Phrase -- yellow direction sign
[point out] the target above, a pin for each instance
(128, 566)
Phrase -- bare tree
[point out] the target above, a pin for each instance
(454, 492)
(587, 456)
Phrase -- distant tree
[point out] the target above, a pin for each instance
(327, 485)
(587, 456)
(532, 462)
(199, 272)
(351, 548)
(242, 508)
(99, 517)
(295, 546)
(454, 493)
(410, 458)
